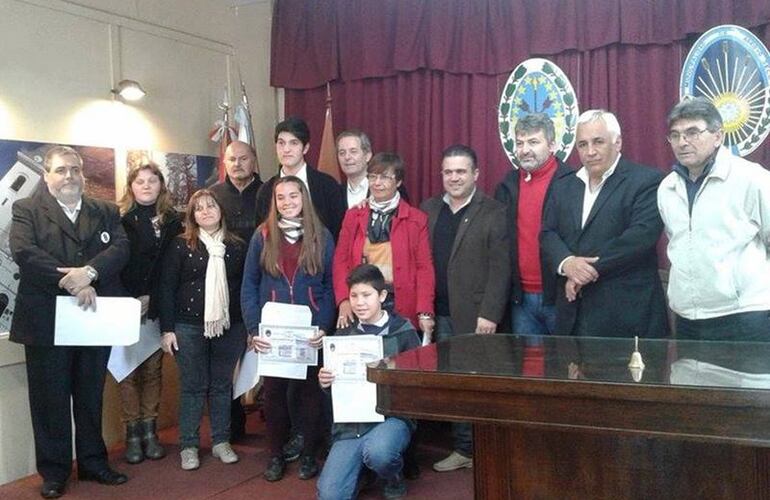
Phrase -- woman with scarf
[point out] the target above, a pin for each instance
(391, 234)
(200, 317)
(290, 261)
(151, 223)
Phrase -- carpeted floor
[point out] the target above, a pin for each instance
(164, 479)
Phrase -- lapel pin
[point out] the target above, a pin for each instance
(105, 237)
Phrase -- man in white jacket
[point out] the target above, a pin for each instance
(716, 211)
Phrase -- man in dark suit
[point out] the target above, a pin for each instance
(354, 150)
(469, 241)
(600, 228)
(292, 142)
(65, 244)
(524, 191)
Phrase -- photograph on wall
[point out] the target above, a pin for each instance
(185, 173)
(21, 172)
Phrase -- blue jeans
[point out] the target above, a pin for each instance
(462, 432)
(531, 317)
(381, 450)
(206, 369)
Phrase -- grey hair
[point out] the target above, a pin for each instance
(366, 144)
(60, 151)
(609, 119)
(696, 108)
(534, 123)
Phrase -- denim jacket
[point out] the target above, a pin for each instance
(259, 287)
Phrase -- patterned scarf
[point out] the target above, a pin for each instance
(216, 315)
(291, 227)
(381, 217)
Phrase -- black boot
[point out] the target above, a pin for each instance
(134, 453)
(152, 448)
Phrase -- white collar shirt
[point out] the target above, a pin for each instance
(72, 214)
(590, 195)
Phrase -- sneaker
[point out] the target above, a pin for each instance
(453, 462)
(308, 468)
(225, 453)
(275, 469)
(190, 458)
(394, 488)
(293, 449)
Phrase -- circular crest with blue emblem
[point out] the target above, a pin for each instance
(538, 86)
(731, 67)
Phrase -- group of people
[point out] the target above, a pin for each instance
(555, 251)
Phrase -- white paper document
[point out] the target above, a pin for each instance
(126, 359)
(248, 371)
(354, 399)
(290, 349)
(115, 322)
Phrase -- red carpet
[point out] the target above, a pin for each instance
(164, 479)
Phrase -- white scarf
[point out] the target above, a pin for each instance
(216, 315)
(384, 206)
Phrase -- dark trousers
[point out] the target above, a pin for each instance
(55, 374)
(277, 410)
(206, 373)
(751, 326)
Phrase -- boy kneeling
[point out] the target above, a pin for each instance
(378, 446)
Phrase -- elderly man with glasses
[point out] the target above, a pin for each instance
(716, 211)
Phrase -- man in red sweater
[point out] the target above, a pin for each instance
(523, 191)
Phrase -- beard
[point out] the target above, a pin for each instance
(68, 194)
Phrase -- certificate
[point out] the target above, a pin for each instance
(115, 322)
(289, 344)
(354, 399)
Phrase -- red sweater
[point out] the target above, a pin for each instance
(532, 189)
(413, 275)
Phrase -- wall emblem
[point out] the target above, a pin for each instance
(731, 67)
(538, 86)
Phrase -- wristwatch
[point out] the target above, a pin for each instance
(91, 273)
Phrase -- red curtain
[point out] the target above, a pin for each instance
(419, 75)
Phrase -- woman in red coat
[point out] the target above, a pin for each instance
(392, 235)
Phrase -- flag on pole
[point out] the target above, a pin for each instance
(327, 158)
(242, 117)
(224, 134)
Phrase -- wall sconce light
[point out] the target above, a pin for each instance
(129, 90)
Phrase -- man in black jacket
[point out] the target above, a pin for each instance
(65, 244)
(292, 142)
(523, 191)
(237, 194)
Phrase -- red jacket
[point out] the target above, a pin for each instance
(413, 277)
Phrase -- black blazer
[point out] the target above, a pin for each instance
(328, 199)
(622, 229)
(507, 192)
(42, 238)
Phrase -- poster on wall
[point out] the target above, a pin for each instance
(184, 173)
(21, 172)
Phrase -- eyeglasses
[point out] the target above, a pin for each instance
(689, 135)
(380, 177)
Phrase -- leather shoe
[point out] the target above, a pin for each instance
(105, 476)
(52, 489)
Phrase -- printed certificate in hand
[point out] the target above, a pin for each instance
(289, 344)
(354, 399)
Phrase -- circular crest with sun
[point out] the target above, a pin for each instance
(731, 67)
(538, 86)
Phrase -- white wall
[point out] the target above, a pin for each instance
(58, 61)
